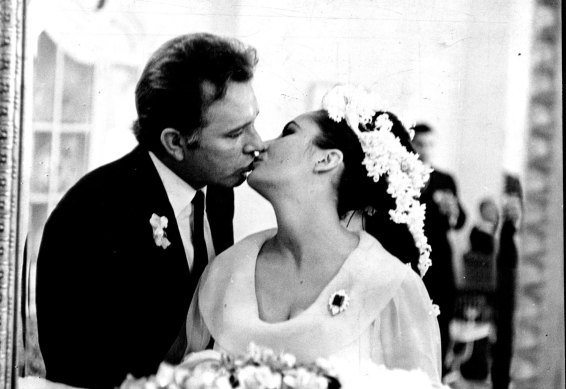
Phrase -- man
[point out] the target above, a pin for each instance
(122, 252)
(443, 213)
(507, 258)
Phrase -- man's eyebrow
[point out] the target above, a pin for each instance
(243, 125)
(235, 129)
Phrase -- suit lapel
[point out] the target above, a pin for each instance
(152, 199)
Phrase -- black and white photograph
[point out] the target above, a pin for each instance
(292, 194)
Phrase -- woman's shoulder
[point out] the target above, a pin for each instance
(379, 259)
(374, 275)
(383, 278)
(241, 252)
(250, 243)
(407, 279)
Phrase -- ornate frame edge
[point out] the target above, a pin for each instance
(11, 93)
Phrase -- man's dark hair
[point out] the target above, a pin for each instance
(182, 79)
(422, 128)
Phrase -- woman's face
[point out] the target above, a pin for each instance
(288, 158)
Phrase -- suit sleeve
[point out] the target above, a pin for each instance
(462, 213)
(79, 317)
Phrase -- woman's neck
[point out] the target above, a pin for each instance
(311, 232)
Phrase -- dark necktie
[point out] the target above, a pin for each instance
(200, 260)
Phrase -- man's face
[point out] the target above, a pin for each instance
(226, 146)
(424, 144)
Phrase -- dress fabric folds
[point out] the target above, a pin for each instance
(390, 319)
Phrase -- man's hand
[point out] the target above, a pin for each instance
(512, 209)
(448, 205)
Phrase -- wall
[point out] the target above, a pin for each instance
(443, 63)
(448, 63)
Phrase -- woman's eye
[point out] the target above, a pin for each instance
(286, 131)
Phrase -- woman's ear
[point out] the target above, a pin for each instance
(331, 159)
(172, 142)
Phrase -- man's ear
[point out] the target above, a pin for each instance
(172, 142)
(330, 160)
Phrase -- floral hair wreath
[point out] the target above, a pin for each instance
(385, 155)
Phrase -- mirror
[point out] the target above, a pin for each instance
(474, 71)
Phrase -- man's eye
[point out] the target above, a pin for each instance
(235, 134)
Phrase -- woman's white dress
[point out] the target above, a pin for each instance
(390, 319)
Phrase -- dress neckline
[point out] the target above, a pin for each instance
(323, 292)
(370, 276)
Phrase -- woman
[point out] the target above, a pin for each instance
(313, 287)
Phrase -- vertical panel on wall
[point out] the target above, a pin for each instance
(539, 345)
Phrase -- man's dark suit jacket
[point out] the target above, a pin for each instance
(439, 279)
(110, 302)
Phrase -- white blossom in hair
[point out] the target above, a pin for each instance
(385, 156)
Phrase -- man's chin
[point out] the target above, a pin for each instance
(233, 182)
(240, 182)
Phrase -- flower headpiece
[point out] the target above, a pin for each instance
(385, 155)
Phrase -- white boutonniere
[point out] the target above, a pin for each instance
(159, 224)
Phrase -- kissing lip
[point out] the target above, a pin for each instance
(250, 167)
(256, 162)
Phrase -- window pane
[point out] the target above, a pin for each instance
(77, 91)
(121, 111)
(41, 162)
(73, 159)
(44, 79)
(38, 216)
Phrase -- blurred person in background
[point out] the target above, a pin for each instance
(507, 259)
(472, 328)
(443, 214)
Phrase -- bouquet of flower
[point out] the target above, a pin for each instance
(261, 368)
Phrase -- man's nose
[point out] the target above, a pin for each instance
(254, 143)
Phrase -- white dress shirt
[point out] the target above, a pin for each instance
(180, 196)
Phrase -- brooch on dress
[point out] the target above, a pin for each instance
(338, 302)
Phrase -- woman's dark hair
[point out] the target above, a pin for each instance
(357, 191)
(174, 88)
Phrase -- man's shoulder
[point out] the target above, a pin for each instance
(113, 180)
(123, 167)
(441, 176)
(440, 173)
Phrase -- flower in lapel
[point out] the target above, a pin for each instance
(159, 224)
